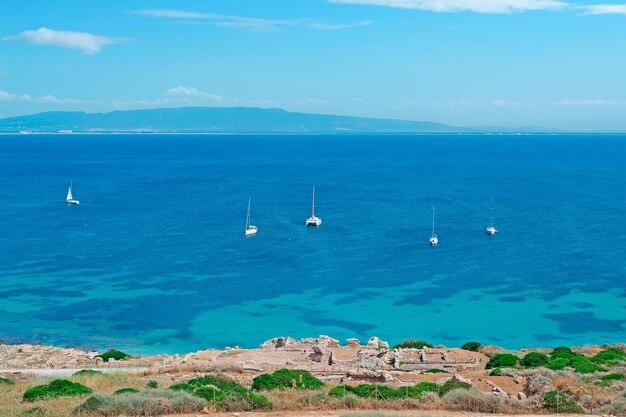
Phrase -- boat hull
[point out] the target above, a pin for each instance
(251, 231)
(313, 222)
(72, 201)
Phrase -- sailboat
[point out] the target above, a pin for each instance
(434, 240)
(250, 229)
(313, 221)
(70, 199)
(490, 229)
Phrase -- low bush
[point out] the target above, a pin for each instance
(125, 391)
(558, 402)
(147, 403)
(383, 392)
(87, 372)
(113, 354)
(471, 400)
(609, 357)
(436, 371)
(33, 412)
(563, 357)
(613, 377)
(615, 408)
(472, 346)
(502, 360)
(534, 360)
(152, 384)
(557, 364)
(412, 344)
(452, 384)
(286, 378)
(225, 394)
(6, 381)
(56, 388)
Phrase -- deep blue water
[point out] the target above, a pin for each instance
(154, 258)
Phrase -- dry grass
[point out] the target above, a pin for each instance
(11, 404)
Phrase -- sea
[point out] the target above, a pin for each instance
(154, 259)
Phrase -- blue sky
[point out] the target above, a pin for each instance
(548, 63)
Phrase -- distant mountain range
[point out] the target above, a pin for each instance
(223, 120)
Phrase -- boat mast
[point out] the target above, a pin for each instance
(313, 203)
(248, 215)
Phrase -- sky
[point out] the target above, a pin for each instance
(515, 63)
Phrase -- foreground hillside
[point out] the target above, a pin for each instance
(314, 375)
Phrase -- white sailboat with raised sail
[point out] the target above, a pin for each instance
(434, 240)
(313, 221)
(70, 198)
(491, 230)
(250, 229)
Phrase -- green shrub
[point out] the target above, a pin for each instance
(561, 350)
(35, 411)
(583, 365)
(6, 381)
(113, 354)
(502, 360)
(472, 346)
(56, 388)
(152, 384)
(613, 377)
(412, 344)
(609, 357)
(534, 359)
(125, 391)
(383, 392)
(557, 364)
(226, 394)
(496, 371)
(286, 378)
(452, 384)
(558, 402)
(436, 371)
(146, 403)
(87, 372)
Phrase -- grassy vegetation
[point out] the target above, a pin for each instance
(383, 392)
(56, 388)
(286, 378)
(452, 384)
(224, 394)
(87, 372)
(113, 354)
(436, 371)
(412, 344)
(563, 357)
(147, 403)
(6, 381)
(558, 402)
(125, 391)
(472, 346)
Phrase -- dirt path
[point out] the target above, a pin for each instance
(371, 413)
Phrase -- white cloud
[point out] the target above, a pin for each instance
(6, 96)
(182, 91)
(338, 26)
(510, 103)
(249, 23)
(605, 9)
(477, 6)
(86, 42)
(591, 102)
(310, 102)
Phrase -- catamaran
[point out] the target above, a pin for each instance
(250, 229)
(434, 240)
(313, 221)
(70, 199)
(490, 229)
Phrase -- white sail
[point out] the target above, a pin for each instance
(69, 194)
(248, 215)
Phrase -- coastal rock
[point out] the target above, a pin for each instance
(277, 343)
(521, 396)
(459, 378)
(376, 360)
(352, 342)
(317, 354)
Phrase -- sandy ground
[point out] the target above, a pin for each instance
(371, 413)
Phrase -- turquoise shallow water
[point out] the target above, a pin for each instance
(154, 259)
